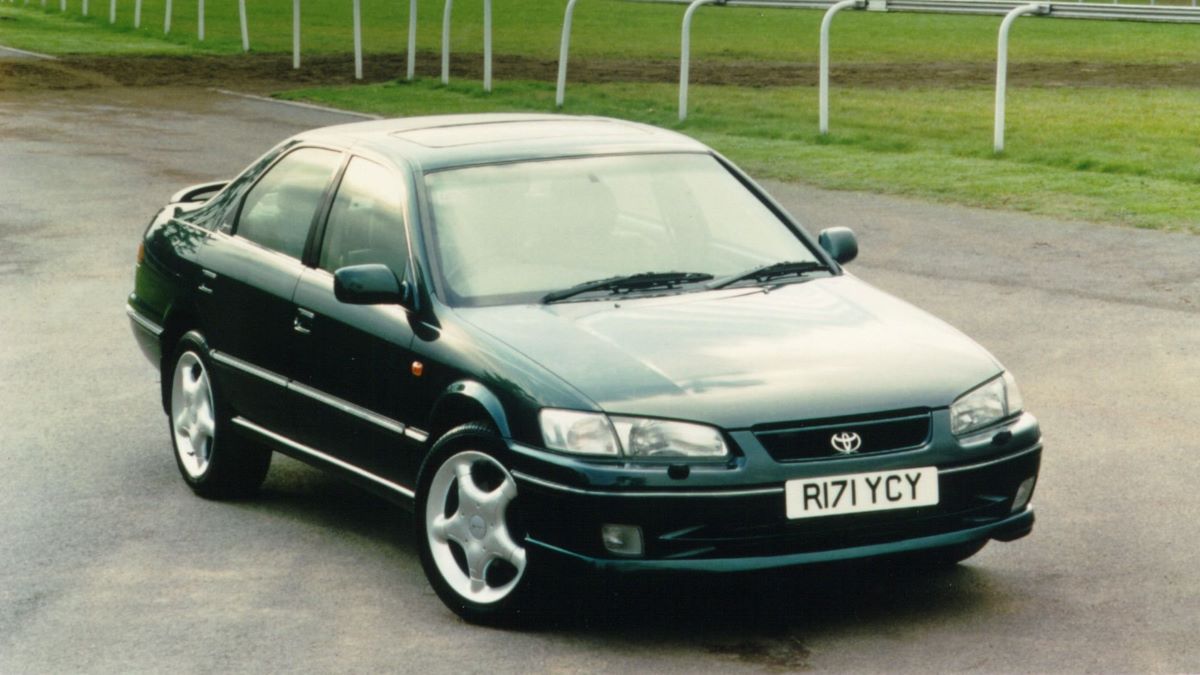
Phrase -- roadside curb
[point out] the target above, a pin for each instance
(23, 52)
(297, 104)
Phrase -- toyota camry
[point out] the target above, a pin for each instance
(569, 343)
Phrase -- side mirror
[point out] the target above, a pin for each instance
(840, 243)
(372, 284)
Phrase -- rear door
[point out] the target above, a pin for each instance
(354, 364)
(249, 276)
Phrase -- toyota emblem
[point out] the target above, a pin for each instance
(846, 442)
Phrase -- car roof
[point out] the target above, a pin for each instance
(444, 141)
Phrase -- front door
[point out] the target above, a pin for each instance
(354, 369)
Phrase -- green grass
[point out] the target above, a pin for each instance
(1102, 154)
(1129, 165)
(603, 28)
(54, 33)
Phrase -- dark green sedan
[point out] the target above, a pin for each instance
(569, 343)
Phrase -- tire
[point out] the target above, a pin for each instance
(469, 530)
(214, 462)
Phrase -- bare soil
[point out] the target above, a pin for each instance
(272, 72)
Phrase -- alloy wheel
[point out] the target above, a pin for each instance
(193, 416)
(467, 527)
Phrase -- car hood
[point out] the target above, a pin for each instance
(827, 347)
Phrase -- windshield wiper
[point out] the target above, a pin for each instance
(785, 268)
(629, 282)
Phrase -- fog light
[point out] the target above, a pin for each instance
(1023, 494)
(622, 539)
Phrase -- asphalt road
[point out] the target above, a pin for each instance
(109, 564)
(14, 53)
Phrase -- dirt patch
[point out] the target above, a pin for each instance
(787, 654)
(271, 72)
(22, 73)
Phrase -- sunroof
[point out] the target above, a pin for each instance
(493, 132)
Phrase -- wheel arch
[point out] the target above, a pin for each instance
(179, 320)
(467, 401)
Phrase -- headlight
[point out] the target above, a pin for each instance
(595, 434)
(997, 399)
(579, 432)
(642, 437)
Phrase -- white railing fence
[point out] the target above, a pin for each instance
(1009, 9)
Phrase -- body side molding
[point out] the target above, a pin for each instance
(313, 452)
(347, 407)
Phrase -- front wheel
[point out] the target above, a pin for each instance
(213, 462)
(469, 529)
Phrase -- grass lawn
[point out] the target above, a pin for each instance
(54, 33)
(1103, 153)
(1137, 164)
(602, 28)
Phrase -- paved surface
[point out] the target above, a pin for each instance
(109, 564)
(14, 53)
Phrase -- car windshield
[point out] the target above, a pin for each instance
(511, 233)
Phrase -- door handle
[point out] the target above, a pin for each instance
(302, 323)
(208, 276)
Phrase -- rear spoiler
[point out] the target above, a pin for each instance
(198, 193)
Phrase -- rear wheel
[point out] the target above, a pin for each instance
(470, 531)
(213, 462)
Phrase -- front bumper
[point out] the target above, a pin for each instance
(1014, 527)
(741, 528)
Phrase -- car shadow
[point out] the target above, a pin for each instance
(764, 619)
(298, 492)
(768, 616)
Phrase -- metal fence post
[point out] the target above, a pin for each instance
(357, 39)
(200, 19)
(823, 83)
(446, 42)
(487, 45)
(166, 18)
(685, 52)
(1002, 66)
(412, 38)
(245, 28)
(112, 10)
(137, 13)
(85, 7)
(563, 49)
(295, 34)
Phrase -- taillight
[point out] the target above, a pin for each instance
(141, 254)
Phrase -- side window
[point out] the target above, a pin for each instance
(279, 209)
(366, 223)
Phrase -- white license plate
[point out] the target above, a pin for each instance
(861, 492)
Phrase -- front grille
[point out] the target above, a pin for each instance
(966, 500)
(813, 439)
